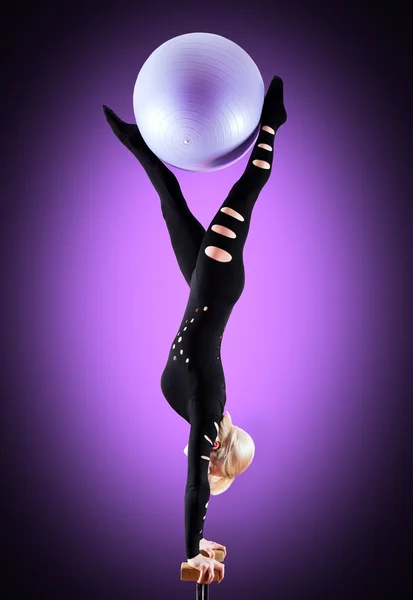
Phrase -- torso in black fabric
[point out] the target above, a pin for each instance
(194, 385)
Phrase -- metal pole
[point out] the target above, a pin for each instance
(202, 591)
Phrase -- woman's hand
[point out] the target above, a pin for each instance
(207, 567)
(209, 547)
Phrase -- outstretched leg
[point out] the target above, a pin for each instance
(220, 264)
(185, 231)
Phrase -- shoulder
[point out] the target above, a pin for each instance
(201, 411)
(207, 401)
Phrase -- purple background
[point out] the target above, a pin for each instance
(314, 353)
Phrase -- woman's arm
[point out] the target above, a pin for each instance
(204, 427)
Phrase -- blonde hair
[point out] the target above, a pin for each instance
(234, 455)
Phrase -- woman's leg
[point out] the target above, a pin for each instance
(185, 231)
(220, 264)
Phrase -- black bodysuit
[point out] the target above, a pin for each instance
(193, 380)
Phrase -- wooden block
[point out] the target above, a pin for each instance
(188, 573)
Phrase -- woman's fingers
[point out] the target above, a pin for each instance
(208, 573)
(216, 546)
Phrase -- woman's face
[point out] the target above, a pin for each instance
(214, 469)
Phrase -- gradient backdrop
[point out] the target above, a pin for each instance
(95, 470)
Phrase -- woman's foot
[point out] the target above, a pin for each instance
(273, 111)
(128, 134)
